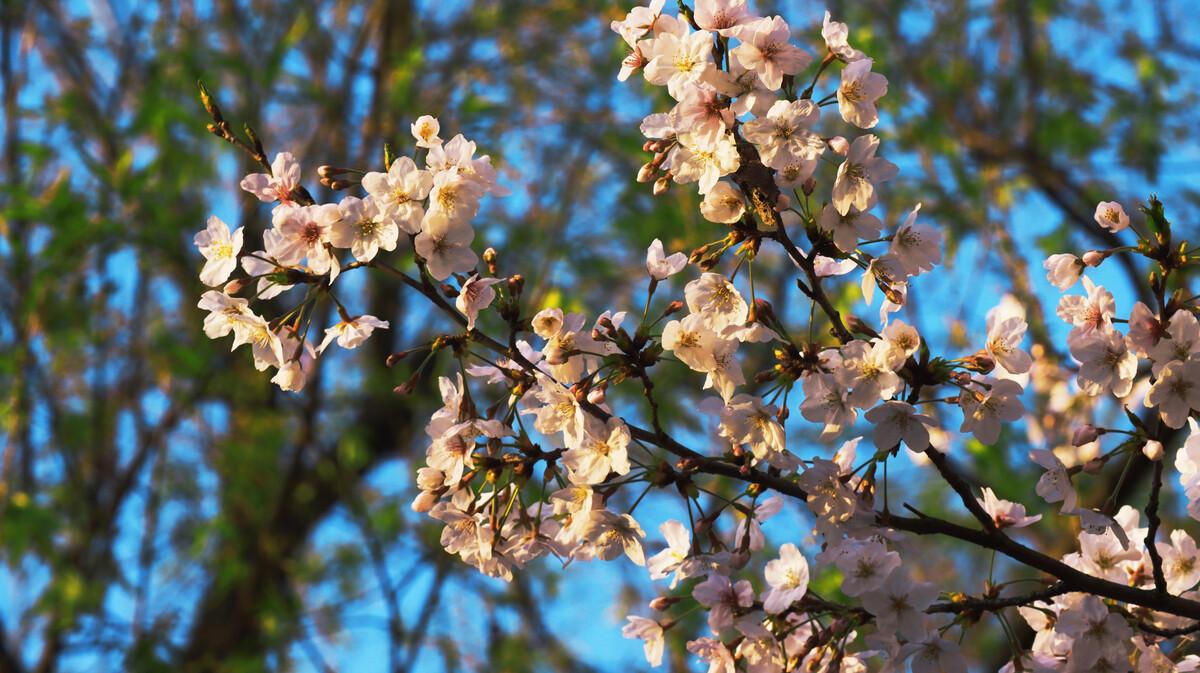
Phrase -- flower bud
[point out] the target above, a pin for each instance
(664, 602)
(1153, 449)
(1095, 257)
(782, 202)
(489, 258)
(596, 396)
(661, 185)
(234, 286)
(980, 362)
(763, 312)
(646, 173)
(516, 283)
(855, 324)
(648, 146)
(809, 186)
(839, 145)
(1093, 466)
(1085, 434)
(424, 502)
(396, 358)
(673, 308)
(405, 388)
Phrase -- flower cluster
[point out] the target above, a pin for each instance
(307, 244)
(530, 457)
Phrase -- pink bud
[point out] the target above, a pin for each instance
(1094, 257)
(782, 202)
(664, 602)
(424, 502)
(661, 185)
(839, 145)
(646, 173)
(1085, 434)
(1153, 449)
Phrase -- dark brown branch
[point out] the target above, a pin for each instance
(1071, 578)
(995, 604)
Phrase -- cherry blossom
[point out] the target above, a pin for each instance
(425, 130)
(363, 228)
(220, 250)
(899, 604)
(1111, 215)
(659, 265)
(848, 228)
(766, 50)
(446, 247)
(679, 60)
(836, 34)
(1006, 514)
(476, 294)
(782, 136)
(897, 421)
(351, 333)
(856, 177)
(651, 632)
(984, 411)
(1176, 392)
(279, 184)
(788, 579)
(917, 246)
(723, 598)
(723, 204)
(857, 93)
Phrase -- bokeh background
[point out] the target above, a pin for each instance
(164, 508)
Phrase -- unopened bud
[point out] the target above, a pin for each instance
(783, 202)
(338, 185)
(839, 145)
(664, 602)
(516, 283)
(764, 309)
(424, 502)
(405, 388)
(856, 324)
(1153, 449)
(809, 186)
(1093, 466)
(648, 146)
(596, 396)
(646, 172)
(489, 258)
(980, 362)
(1095, 257)
(328, 171)
(661, 185)
(235, 286)
(1085, 434)
(397, 357)
(673, 308)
